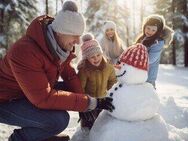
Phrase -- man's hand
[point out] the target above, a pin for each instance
(105, 103)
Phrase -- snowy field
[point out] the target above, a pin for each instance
(172, 87)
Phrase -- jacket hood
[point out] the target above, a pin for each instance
(37, 31)
(167, 35)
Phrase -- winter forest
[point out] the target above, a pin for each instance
(15, 16)
(171, 94)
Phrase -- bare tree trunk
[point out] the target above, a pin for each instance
(1, 17)
(185, 31)
(186, 50)
(134, 21)
(142, 11)
(46, 7)
(56, 6)
(173, 44)
(127, 29)
(1, 20)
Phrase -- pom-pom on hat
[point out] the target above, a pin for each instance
(109, 25)
(136, 56)
(69, 21)
(90, 46)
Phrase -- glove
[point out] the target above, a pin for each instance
(105, 103)
(86, 116)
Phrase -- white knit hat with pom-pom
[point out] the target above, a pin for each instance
(69, 21)
(109, 25)
(90, 46)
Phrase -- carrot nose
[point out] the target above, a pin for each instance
(117, 67)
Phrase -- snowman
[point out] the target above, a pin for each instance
(136, 104)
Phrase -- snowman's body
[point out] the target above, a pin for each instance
(134, 117)
(136, 104)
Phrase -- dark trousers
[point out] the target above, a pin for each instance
(36, 124)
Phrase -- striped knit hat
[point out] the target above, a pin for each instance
(136, 56)
(90, 46)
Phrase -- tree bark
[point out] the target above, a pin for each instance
(173, 43)
(1, 18)
(56, 6)
(46, 7)
(185, 31)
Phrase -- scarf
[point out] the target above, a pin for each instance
(62, 54)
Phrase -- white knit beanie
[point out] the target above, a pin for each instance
(69, 21)
(109, 25)
(90, 46)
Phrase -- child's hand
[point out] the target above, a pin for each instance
(87, 116)
(105, 103)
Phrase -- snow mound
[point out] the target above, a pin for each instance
(176, 134)
(81, 134)
(154, 129)
(173, 114)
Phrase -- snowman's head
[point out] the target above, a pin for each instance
(133, 65)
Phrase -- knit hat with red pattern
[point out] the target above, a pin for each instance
(90, 46)
(136, 56)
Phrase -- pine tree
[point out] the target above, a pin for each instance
(95, 16)
(176, 15)
(180, 22)
(17, 14)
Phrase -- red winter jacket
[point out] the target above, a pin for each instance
(31, 68)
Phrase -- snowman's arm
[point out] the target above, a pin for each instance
(83, 78)
(112, 78)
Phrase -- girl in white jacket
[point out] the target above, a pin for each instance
(111, 43)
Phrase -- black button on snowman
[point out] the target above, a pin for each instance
(115, 89)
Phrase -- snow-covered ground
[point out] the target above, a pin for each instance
(173, 81)
(172, 87)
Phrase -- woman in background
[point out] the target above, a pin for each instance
(111, 43)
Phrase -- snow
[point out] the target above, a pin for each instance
(149, 130)
(136, 103)
(2, 39)
(140, 76)
(172, 88)
(2, 52)
(139, 102)
(1, 6)
(173, 81)
(168, 109)
(8, 8)
(179, 37)
(169, 124)
(134, 99)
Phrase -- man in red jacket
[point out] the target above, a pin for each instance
(30, 96)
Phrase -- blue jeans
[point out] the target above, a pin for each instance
(36, 124)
